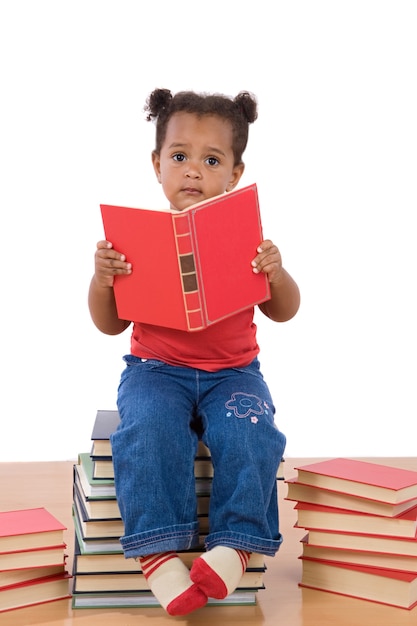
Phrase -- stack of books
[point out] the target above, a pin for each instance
(361, 520)
(32, 559)
(102, 577)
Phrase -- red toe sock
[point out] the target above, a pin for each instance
(218, 571)
(190, 600)
(207, 579)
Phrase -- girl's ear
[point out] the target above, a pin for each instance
(156, 162)
(236, 176)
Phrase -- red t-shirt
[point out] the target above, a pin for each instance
(229, 343)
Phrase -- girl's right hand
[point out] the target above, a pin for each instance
(109, 263)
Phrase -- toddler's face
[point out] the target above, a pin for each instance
(196, 161)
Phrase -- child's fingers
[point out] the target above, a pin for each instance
(268, 254)
(110, 262)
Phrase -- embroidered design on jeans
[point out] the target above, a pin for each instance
(245, 405)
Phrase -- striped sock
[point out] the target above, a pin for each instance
(169, 580)
(218, 572)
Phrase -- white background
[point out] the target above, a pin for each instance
(334, 156)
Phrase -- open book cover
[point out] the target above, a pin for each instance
(191, 268)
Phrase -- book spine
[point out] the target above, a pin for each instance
(187, 267)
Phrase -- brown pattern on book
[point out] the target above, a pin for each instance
(188, 273)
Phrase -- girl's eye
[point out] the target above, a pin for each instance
(179, 157)
(212, 161)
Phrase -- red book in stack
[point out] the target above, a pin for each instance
(32, 559)
(361, 520)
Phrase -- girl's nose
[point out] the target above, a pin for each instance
(193, 170)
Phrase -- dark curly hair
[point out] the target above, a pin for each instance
(240, 111)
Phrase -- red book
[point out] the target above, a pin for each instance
(367, 583)
(28, 529)
(360, 478)
(12, 577)
(376, 544)
(35, 592)
(36, 557)
(191, 268)
(338, 499)
(314, 516)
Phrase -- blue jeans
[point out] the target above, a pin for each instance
(164, 410)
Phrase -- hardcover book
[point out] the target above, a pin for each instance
(104, 425)
(368, 583)
(391, 561)
(37, 557)
(93, 487)
(94, 546)
(29, 528)
(370, 543)
(361, 478)
(146, 599)
(337, 499)
(314, 516)
(191, 268)
(35, 592)
(13, 577)
(96, 528)
(96, 508)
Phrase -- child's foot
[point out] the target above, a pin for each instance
(169, 580)
(218, 572)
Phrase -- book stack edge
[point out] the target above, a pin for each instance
(102, 577)
(361, 523)
(32, 559)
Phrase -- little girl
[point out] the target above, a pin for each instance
(180, 386)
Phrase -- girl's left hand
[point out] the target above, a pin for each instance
(268, 261)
